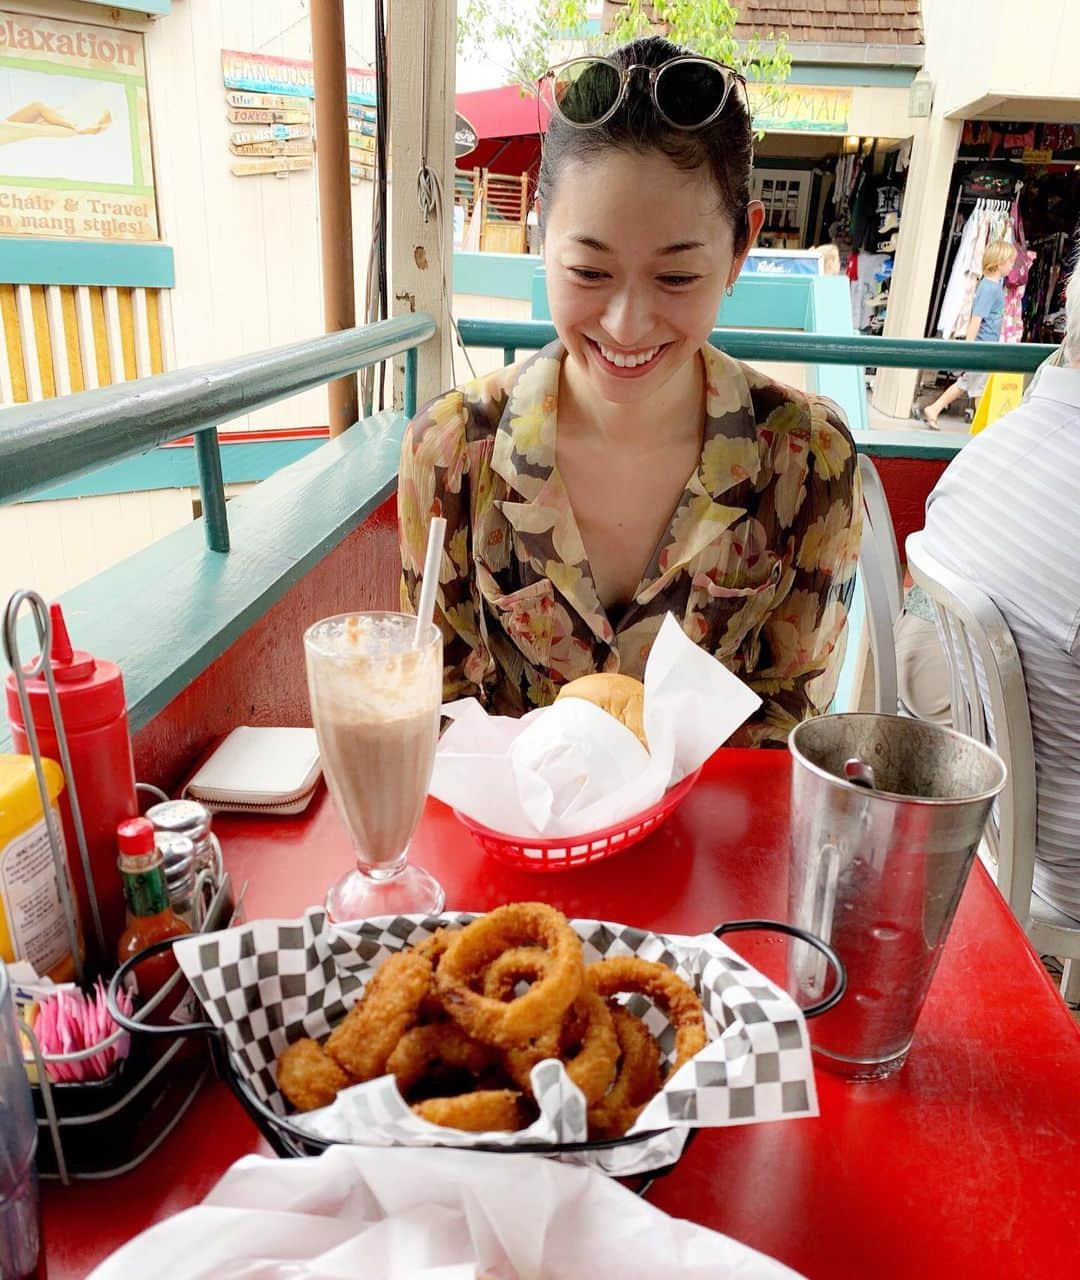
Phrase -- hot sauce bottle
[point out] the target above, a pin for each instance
(150, 918)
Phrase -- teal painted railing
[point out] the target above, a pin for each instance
(811, 348)
(168, 612)
(47, 442)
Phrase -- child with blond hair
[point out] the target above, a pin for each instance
(987, 312)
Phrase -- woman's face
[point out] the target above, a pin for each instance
(638, 255)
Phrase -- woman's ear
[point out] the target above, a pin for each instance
(755, 217)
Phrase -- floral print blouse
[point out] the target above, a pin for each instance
(757, 562)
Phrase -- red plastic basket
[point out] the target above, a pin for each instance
(564, 853)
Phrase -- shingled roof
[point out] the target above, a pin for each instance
(832, 21)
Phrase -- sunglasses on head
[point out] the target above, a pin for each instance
(688, 92)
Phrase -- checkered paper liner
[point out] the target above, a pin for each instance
(271, 982)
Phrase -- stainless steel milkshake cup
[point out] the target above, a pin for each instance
(879, 858)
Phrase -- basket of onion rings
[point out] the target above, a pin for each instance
(518, 1030)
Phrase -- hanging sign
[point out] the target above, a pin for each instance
(273, 97)
(262, 115)
(465, 136)
(273, 164)
(270, 148)
(274, 101)
(799, 108)
(290, 77)
(270, 133)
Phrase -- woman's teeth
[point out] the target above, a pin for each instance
(623, 361)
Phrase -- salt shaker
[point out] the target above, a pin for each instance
(178, 853)
(192, 819)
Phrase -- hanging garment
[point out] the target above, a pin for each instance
(1012, 323)
(954, 292)
(869, 265)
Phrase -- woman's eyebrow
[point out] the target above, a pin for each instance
(680, 246)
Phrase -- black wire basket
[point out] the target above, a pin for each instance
(290, 1140)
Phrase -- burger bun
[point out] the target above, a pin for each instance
(620, 696)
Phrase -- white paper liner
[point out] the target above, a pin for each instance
(271, 982)
(571, 769)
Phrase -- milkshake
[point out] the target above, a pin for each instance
(375, 703)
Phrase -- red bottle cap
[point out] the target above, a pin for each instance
(135, 837)
(91, 690)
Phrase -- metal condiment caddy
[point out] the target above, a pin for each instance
(102, 1128)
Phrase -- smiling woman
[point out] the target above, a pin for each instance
(630, 469)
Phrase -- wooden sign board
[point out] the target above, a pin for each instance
(279, 164)
(357, 142)
(300, 148)
(263, 115)
(270, 133)
(270, 101)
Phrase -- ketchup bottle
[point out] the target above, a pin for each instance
(94, 710)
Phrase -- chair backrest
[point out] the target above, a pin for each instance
(882, 583)
(989, 702)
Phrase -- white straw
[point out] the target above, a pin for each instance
(432, 560)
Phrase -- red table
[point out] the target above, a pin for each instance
(963, 1165)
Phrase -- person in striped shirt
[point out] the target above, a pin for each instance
(1005, 515)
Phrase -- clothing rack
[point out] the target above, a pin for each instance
(965, 203)
(1043, 281)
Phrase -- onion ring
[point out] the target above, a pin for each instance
(480, 1112)
(519, 964)
(665, 988)
(424, 1050)
(586, 1044)
(308, 1077)
(389, 1006)
(637, 1078)
(505, 1023)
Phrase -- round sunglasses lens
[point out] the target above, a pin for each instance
(585, 91)
(689, 93)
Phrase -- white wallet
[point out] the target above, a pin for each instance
(259, 770)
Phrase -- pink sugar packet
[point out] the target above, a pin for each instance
(69, 1021)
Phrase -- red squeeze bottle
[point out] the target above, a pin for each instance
(94, 709)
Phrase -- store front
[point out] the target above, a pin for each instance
(832, 169)
(1018, 181)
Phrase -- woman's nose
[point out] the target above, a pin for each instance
(628, 317)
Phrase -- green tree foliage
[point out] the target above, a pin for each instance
(520, 34)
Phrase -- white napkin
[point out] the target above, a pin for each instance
(428, 1215)
(571, 769)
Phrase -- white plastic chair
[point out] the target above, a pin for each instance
(882, 584)
(982, 655)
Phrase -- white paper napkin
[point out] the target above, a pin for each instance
(428, 1215)
(570, 769)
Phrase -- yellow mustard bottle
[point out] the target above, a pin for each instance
(32, 923)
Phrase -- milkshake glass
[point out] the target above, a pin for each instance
(375, 701)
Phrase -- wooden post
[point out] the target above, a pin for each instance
(419, 249)
(335, 193)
